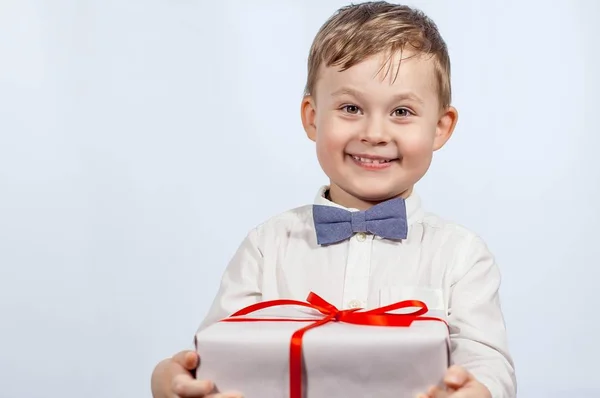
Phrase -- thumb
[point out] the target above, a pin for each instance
(456, 377)
(187, 359)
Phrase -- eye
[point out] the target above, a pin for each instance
(402, 112)
(351, 109)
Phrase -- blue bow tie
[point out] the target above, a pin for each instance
(387, 220)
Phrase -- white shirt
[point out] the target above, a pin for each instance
(440, 263)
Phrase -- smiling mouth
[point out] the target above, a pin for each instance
(371, 160)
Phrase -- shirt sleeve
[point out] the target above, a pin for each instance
(241, 282)
(477, 327)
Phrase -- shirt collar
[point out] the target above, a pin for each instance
(414, 211)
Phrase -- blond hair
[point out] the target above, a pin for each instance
(356, 32)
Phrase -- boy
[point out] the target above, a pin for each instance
(377, 105)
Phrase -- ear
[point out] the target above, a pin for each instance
(445, 127)
(308, 114)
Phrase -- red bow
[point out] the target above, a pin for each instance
(375, 317)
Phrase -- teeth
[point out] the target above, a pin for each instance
(365, 160)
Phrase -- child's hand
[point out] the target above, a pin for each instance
(173, 378)
(459, 384)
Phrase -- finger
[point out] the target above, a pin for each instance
(184, 386)
(434, 392)
(234, 394)
(464, 393)
(456, 377)
(473, 389)
(437, 392)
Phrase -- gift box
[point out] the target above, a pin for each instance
(287, 348)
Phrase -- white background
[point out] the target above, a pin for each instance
(140, 140)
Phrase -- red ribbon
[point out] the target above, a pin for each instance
(376, 317)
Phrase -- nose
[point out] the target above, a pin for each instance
(375, 133)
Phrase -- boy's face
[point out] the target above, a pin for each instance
(376, 133)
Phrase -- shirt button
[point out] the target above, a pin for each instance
(354, 304)
(361, 236)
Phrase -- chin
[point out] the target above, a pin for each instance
(375, 194)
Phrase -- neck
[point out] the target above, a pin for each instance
(346, 199)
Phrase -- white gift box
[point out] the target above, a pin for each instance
(339, 360)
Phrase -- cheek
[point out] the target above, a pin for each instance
(416, 146)
(332, 139)
(332, 135)
(330, 150)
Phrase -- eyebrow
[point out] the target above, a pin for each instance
(398, 97)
